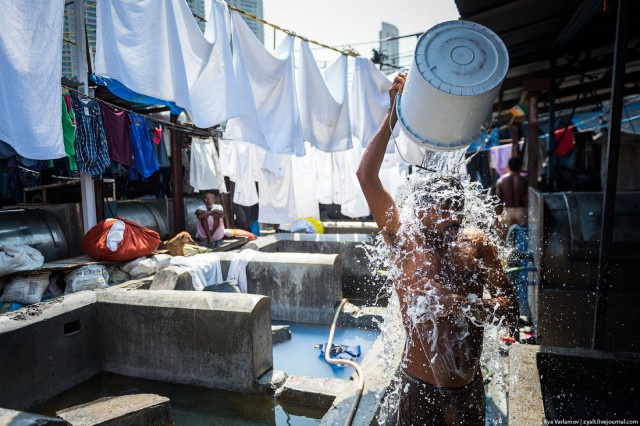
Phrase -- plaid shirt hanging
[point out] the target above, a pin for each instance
(92, 154)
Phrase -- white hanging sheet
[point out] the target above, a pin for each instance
(369, 101)
(324, 102)
(30, 73)
(155, 48)
(270, 117)
(277, 200)
(238, 267)
(304, 186)
(204, 171)
(357, 207)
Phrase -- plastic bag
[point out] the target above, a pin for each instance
(19, 258)
(25, 289)
(141, 267)
(88, 277)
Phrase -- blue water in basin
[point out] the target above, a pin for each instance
(299, 357)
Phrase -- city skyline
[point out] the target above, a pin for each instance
(389, 49)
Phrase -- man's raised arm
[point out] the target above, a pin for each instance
(382, 206)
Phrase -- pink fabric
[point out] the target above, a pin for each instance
(217, 233)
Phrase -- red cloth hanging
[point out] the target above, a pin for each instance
(566, 144)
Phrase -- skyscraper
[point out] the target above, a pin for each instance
(389, 48)
(69, 67)
(253, 7)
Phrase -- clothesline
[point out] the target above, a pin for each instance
(167, 124)
(602, 126)
(347, 52)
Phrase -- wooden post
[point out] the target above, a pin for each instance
(611, 179)
(515, 140)
(176, 180)
(532, 141)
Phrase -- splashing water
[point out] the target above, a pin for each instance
(445, 337)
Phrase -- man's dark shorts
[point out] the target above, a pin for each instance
(426, 404)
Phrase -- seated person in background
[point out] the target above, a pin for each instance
(210, 226)
(512, 190)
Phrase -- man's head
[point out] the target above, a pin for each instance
(515, 164)
(439, 202)
(209, 198)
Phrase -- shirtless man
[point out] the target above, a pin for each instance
(442, 271)
(512, 189)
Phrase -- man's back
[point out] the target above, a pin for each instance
(512, 190)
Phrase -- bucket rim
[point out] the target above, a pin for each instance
(495, 80)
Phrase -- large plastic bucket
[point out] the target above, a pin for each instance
(455, 76)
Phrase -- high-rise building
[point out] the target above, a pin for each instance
(255, 8)
(69, 67)
(390, 49)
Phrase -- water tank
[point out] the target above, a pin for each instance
(144, 215)
(564, 230)
(36, 228)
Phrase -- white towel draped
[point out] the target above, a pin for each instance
(30, 73)
(369, 101)
(204, 269)
(324, 102)
(238, 268)
(270, 117)
(154, 47)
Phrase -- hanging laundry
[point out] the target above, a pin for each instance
(156, 132)
(499, 157)
(123, 92)
(247, 164)
(205, 171)
(30, 58)
(267, 91)
(358, 206)
(323, 102)
(144, 159)
(369, 101)
(155, 48)
(92, 154)
(564, 140)
(69, 134)
(185, 160)
(304, 186)
(334, 183)
(276, 196)
(117, 128)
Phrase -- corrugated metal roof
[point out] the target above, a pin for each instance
(579, 33)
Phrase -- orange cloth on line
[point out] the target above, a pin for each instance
(566, 144)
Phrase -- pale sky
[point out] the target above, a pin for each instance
(352, 22)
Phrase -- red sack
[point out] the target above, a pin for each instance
(127, 241)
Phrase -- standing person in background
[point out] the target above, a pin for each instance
(210, 225)
(512, 190)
